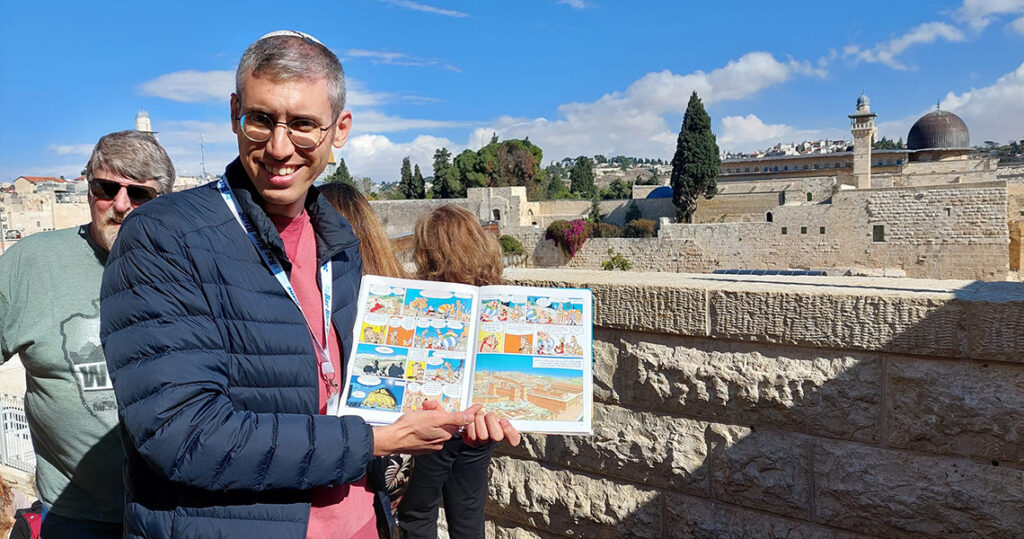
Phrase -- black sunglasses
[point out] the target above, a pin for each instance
(108, 190)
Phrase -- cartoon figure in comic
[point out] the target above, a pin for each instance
(419, 305)
(448, 340)
(524, 344)
(380, 398)
(489, 344)
(545, 344)
(573, 348)
(489, 313)
(372, 336)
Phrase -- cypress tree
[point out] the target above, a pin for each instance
(419, 189)
(581, 177)
(696, 163)
(405, 184)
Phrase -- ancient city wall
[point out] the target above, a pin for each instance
(948, 232)
(399, 216)
(783, 407)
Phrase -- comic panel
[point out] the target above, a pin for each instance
(559, 341)
(518, 339)
(491, 337)
(444, 368)
(450, 335)
(401, 331)
(530, 388)
(384, 361)
(374, 329)
(438, 304)
(385, 300)
(375, 393)
(505, 308)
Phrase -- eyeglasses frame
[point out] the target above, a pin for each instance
(287, 125)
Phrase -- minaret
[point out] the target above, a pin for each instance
(142, 124)
(862, 125)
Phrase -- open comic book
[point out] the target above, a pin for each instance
(523, 352)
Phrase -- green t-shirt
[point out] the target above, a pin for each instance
(50, 317)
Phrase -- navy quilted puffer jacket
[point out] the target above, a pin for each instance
(215, 373)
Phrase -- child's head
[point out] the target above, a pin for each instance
(375, 247)
(452, 246)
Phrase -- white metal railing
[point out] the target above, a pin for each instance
(15, 441)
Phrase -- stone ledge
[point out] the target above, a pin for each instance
(950, 318)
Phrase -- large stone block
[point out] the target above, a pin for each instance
(996, 322)
(812, 391)
(971, 409)
(642, 447)
(768, 470)
(926, 323)
(571, 504)
(496, 529)
(689, 517)
(897, 494)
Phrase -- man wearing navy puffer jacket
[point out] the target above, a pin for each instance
(226, 311)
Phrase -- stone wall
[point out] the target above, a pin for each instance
(399, 216)
(946, 232)
(783, 407)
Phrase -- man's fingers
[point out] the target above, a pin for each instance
(431, 405)
(474, 409)
(481, 428)
(494, 428)
(511, 433)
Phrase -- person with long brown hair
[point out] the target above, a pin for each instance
(450, 245)
(375, 247)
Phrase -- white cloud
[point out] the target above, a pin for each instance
(71, 149)
(1018, 26)
(748, 133)
(426, 8)
(400, 59)
(575, 4)
(631, 122)
(887, 51)
(372, 121)
(190, 86)
(994, 112)
(378, 157)
(980, 13)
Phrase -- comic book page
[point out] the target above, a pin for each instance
(534, 357)
(412, 342)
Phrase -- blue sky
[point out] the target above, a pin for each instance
(576, 76)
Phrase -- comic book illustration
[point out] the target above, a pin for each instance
(524, 353)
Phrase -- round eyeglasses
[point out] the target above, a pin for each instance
(259, 127)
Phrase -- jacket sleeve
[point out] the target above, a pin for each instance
(170, 371)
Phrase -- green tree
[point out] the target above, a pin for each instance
(581, 177)
(405, 184)
(632, 212)
(618, 190)
(419, 189)
(594, 215)
(340, 174)
(446, 176)
(696, 162)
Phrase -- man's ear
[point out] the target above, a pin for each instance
(236, 107)
(344, 126)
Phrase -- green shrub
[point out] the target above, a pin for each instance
(510, 245)
(603, 230)
(616, 262)
(639, 228)
(632, 212)
(568, 235)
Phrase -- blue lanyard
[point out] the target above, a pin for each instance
(326, 286)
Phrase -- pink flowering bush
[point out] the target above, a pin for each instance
(568, 235)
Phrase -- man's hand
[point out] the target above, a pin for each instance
(486, 428)
(421, 431)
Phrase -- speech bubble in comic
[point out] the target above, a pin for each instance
(376, 319)
(368, 380)
(432, 389)
(491, 327)
(453, 390)
(543, 302)
(438, 323)
(414, 387)
(359, 394)
(434, 359)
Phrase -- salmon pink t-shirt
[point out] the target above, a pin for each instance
(343, 510)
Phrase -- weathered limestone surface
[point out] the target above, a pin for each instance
(767, 470)
(783, 407)
(689, 517)
(893, 494)
(572, 504)
(835, 394)
(955, 408)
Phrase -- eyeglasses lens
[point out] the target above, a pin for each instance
(260, 127)
(108, 190)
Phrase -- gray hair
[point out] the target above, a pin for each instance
(134, 155)
(293, 55)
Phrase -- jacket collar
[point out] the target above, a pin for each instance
(333, 233)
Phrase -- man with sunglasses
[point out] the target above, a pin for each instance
(227, 312)
(49, 316)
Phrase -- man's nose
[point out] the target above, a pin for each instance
(279, 146)
(122, 204)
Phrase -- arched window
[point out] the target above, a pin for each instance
(808, 197)
(768, 217)
(497, 214)
(785, 167)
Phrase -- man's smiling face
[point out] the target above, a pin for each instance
(280, 171)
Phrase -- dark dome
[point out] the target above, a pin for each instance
(938, 129)
(665, 191)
